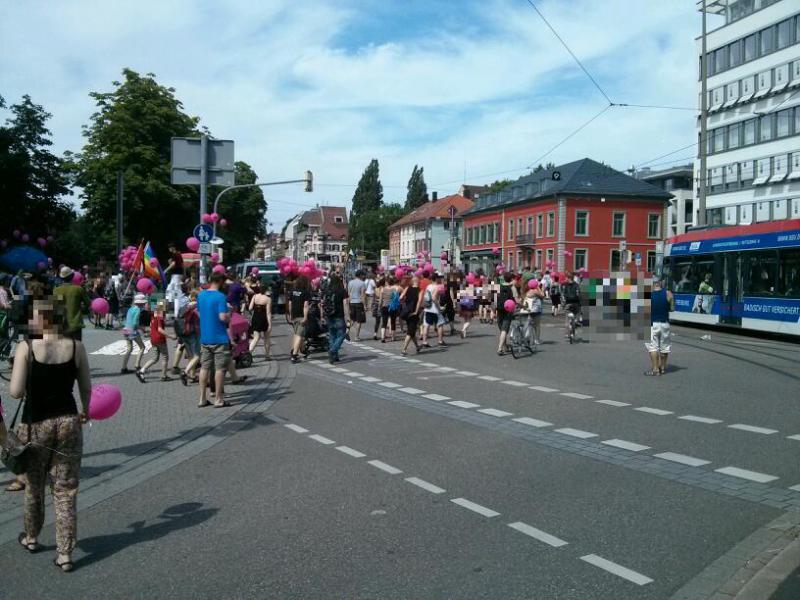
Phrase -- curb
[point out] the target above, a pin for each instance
(774, 573)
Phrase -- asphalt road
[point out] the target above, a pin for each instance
(567, 474)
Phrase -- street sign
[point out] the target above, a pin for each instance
(452, 211)
(186, 162)
(638, 259)
(623, 245)
(206, 248)
(556, 175)
(203, 232)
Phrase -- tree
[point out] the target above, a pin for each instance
(417, 190)
(539, 167)
(499, 185)
(32, 178)
(131, 132)
(368, 197)
(375, 229)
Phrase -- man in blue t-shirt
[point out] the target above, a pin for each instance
(215, 349)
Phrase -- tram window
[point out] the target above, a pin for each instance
(789, 273)
(683, 278)
(760, 271)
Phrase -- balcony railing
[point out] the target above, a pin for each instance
(525, 239)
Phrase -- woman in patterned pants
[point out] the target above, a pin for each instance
(45, 371)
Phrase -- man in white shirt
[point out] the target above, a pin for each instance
(370, 292)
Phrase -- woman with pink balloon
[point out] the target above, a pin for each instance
(534, 302)
(507, 301)
(46, 369)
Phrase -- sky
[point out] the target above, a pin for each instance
(472, 90)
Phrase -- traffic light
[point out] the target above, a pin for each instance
(309, 181)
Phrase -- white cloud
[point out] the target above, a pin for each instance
(277, 77)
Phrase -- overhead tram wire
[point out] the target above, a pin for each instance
(584, 125)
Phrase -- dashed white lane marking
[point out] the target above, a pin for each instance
(462, 404)
(323, 365)
(793, 437)
(513, 383)
(353, 374)
(541, 388)
(437, 397)
(350, 451)
(321, 439)
(697, 419)
(795, 488)
(433, 489)
(429, 365)
(384, 467)
(467, 373)
(532, 422)
(576, 433)
(446, 369)
(613, 403)
(538, 534)
(389, 384)
(339, 370)
(411, 390)
(494, 412)
(689, 461)
(745, 474)
(615, 569)
(370, 379)
(296, 428)
(753, 429)
(481, 510)
(653, 411)
(576, 395)
(413, 360)
(488, 378)
(625, 445)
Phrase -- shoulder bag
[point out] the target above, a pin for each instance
(15, 454)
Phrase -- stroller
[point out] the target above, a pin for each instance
(316, 330)
(239, 333)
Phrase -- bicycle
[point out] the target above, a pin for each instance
(572, 325)
(519, 336)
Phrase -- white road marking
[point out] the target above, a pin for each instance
(745, 474)
(433, 489)
(370, 379)
(494, 412)
(612, 403)
(576, 433)
(541, 388)
(436, 397)
(429, 365)
(339, 370)
(326, 366)
(793, 437)
(445, 369)
(462, 404)
(576, 395)
(653, 411)
(296, 428)
(689, 461)
(119, 348)
(349, 451)
(625, 445)
(467, 373)
(411, 390)
(353, 374)
(413, 360)
(753, 429)
(538, 534)
(384, 467)
(515, 383)
(697, 419)
(615, 569)
(488, 378)
(481, 510)
(795, 488)
(532, 422)
(389, 384)
(321, 439)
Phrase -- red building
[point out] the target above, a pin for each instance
(582, 208)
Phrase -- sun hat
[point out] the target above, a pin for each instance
(65, 272)
(140, 299)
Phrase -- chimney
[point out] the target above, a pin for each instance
(434, 196)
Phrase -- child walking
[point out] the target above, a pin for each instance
(133, 332)
(158, 339)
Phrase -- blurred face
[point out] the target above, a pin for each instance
(415, 281)
(41, 320)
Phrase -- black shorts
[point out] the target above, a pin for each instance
(572, 307)
(357, 313)
(555, 299)
(431, 318)
(504, 321)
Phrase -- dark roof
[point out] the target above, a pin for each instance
(434, 209)
(585, 177)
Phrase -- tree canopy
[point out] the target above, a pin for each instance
(417, 190)
(498, 185)
(374, 226)
(367, 198)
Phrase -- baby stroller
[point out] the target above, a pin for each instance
(316, 330)
(239, 333)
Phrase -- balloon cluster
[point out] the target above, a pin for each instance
(309, 268)
(214, 218)
(127, 257)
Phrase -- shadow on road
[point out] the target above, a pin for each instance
(174, 518)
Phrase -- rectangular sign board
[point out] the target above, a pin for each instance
(186, 159)
(205, 248)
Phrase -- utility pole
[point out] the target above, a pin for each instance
(702, 176)
(203, 198)
(120, 212)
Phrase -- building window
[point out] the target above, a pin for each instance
(580, 258)
(618, 224)
(736, 53)
(654, 226)
(749, 132)
(549, 254)
(539, 259)
(551, 224)
(539, 225)
(733, 135)
(582, 222)
(651, 261)
(519, 259)
(767, 40)
(520, 231)
(483, 234)
(765, 128)
(783, 123)
(750, 48)
(510, 229)
(721, 59)
(338, 219)
(510, 260)
(719, 139)
(784, 33)
(529, 230)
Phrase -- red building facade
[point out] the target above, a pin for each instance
(575, 215)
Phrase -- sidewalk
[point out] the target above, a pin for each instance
(156, 419)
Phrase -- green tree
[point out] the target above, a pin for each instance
(245, 210)
(368, 197)
(375, 229)
(417, 190)
(499, 185)
(539, 167)
(32, 179)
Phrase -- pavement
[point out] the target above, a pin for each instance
(454, 473)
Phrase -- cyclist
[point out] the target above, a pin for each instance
(571, 292)
(508, 291)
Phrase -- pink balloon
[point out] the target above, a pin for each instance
(42, 242)
(16, 233)
(254, 271)
(418, 272)
(218, 269)
(567, 253)
(427, 267)
(145, 286)
(470, 278)
(443, 256)
(214, 217)
(533, 284)
(193, 244)
(26, 238)
(100, 306)
(398, 272)
(154, 262)
(206, 218)
(495, 250)
(223, 222)
(509, 305)
(214, 257)
(442, 288)
(77, 278)
(104, 401)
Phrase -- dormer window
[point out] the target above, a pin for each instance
(338, 219)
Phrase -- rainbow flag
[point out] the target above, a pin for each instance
(144, 262)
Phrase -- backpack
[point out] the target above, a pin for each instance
(189, 320)
(394, 301)
(329, 302)
(505, 294)
(427, 302)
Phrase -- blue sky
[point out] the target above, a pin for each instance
(481, 86)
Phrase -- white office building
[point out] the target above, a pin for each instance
(753, 144)
(682, 209)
